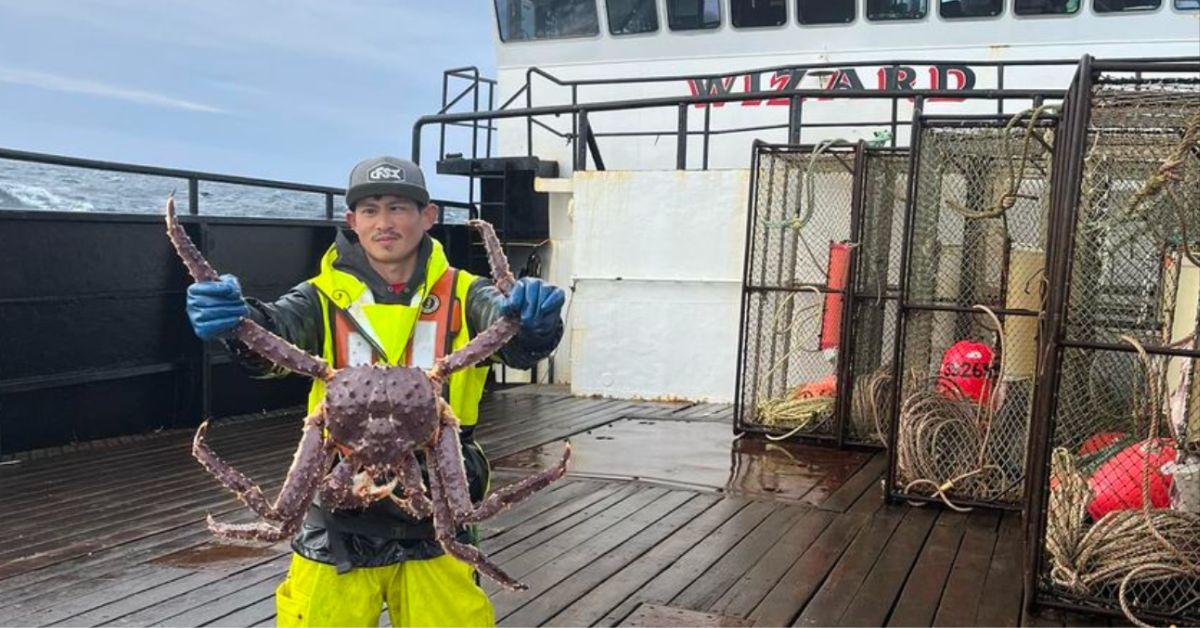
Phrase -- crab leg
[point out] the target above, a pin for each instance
(455, 478)
(281, 352)
(501, 330)
(197, 266)
(414, 502)
(258, 531)
(338, 490)
(502, 277)
(253, 335)
(444, 527)
(303, 478)
(481, 346)
(448, 459)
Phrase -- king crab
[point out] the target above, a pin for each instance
(378, 418)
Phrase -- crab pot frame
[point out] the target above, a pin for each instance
(974, 247)
(800, 223)
(882, 202)
(1113, 481)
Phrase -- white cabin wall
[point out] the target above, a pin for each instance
(558, 263)
(1166, 31)
(656, 270)
(1160, 32)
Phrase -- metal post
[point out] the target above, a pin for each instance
(580, 144)
(795, 119)
(193, 196)
(491, 105)
(895, 107)
(475, 122)
(416, 142)
(594, 148)
(1065, 189)
(704, 152)
(442, 140)
(681, 139)
(1000, 85)
(901, 314)
(328, 206)
(845, 364)
(529, 119)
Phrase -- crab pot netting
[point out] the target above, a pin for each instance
(799, 227)
(1123, 513)
(876, 289)
(976, 251)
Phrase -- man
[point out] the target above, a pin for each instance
(385, 293)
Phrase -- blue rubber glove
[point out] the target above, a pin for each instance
(215, 307)
(538, 304)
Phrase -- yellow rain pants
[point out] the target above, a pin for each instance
(436, 592)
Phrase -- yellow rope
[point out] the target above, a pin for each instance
(795, 413)
(786, 412)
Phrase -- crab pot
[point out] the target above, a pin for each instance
(884, 174)
(796, 294)
(1114, 467)
(974, 253)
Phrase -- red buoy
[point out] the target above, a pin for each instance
(967, 371)
(1117, 484)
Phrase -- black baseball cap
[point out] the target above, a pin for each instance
(386, 175)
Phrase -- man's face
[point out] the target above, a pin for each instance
(390, 227)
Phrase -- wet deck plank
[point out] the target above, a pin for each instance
(890, 571)
(960, 601)
(119, 539)
(539, 606)
(923, 589)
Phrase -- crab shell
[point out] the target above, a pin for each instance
(379, 412)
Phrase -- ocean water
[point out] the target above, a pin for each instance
(37, 186)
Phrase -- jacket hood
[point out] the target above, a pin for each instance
(346, 256)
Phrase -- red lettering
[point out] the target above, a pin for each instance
(711, 87)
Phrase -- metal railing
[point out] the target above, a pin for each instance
(581, 112)
(794, 124)
(193, 178)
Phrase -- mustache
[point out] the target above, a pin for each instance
(386, 234)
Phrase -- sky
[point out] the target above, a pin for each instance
(296, 90)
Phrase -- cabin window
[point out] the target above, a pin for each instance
(882, 10)
(523, 20)
(954, 9)
(1120, 6)
(1187, 5)
(756, 13)
(825, 11)
(629, 17)
(690, 15)
(1045, 7)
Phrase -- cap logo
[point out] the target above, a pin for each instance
(386, 172)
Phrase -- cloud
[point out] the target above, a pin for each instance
(68, 84)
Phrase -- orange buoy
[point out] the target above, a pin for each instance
(839, 272)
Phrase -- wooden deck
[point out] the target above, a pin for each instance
(709, 533)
